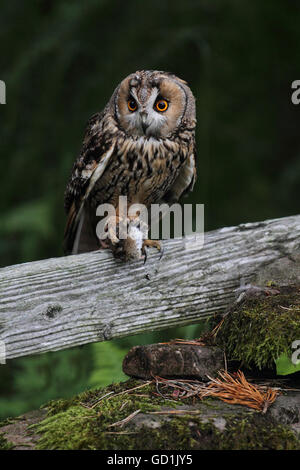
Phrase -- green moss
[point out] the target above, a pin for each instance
(72, 425)
(89, 397)
(244, 432)
(257, 432)
(82, 423)
(5, 421)
(4, 444)
(70, 429)
(259, 330)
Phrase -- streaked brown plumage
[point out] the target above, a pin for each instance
(147, 154)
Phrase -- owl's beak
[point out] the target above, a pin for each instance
(144, 121)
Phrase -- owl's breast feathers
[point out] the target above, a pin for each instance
(111, 164)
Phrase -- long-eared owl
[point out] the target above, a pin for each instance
(142, 145)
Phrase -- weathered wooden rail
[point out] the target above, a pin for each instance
(63, 302)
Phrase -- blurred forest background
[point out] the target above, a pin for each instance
(61, 61)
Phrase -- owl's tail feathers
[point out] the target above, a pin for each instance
(78, 236)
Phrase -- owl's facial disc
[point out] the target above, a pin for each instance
(150, 109)
(146, 113)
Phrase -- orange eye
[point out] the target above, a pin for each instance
(161, 105)
(131, 105)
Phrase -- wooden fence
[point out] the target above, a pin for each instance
(58, 303)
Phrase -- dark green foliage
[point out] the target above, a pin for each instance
(28, 382)
(285, 365)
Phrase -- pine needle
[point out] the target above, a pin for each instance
(235, 389)
(230, 388)
(125, 420)
(192, 342)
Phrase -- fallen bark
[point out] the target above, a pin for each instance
(173, 360)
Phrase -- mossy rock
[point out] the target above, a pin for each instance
(4, 443)
(259, 330)
(88, 421)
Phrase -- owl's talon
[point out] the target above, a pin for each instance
(145, 253)
(113, 237)
(162, 251)
(152, 244)
(103, 245)
(110, 227)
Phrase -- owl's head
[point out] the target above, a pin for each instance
(153, 104)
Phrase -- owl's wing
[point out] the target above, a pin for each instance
(89, 166)
(185, 180)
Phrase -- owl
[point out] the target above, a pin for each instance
(142, 146)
